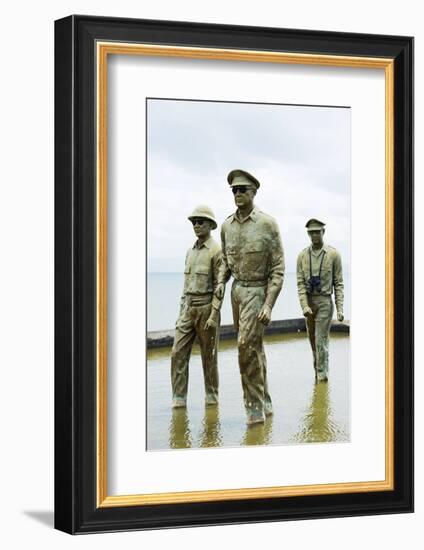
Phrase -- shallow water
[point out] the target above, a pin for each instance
(304, 412)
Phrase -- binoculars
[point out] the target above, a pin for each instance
(313, 284)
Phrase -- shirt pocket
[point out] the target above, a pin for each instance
(187, 281)
(203, 280)
(255, 258)
(230, 252)
(305, 268)
(326, 279)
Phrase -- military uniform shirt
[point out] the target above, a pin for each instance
(252, 252)
(331, 274)
(201, 270)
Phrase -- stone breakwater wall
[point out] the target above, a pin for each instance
(164, 338)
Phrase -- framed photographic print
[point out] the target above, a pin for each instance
(234, 274)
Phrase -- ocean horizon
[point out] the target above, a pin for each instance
(164, 293)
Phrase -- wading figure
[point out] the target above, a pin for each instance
(199, 311)
(253, 255)
(319, 271)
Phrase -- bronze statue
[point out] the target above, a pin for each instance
(252, 254)
(319, 271)
(199, 311)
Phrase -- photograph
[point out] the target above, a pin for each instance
(248, 230)
(233, 239)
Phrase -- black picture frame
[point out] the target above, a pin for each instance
(76, 509)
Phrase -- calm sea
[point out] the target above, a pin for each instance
(164, 292)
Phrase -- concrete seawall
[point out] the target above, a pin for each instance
(164, 338)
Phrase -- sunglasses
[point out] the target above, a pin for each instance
(197, 222)
(240, 189)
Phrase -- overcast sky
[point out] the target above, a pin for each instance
(300, 155)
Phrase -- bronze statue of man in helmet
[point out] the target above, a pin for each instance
(199, 311)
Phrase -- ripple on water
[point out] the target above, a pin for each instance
(304, 412)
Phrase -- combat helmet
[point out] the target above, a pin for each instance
(203, 211)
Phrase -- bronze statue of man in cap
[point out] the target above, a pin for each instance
(199, 311)
(252, 254)
(319, 272)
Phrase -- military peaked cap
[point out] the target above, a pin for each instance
(314, 225)
(241, 177)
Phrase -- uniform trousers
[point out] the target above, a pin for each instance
(318, 327)
(247, 302)
(191, 323)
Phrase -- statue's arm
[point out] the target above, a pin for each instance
(277, 268)
(301, 286)
(338, 284)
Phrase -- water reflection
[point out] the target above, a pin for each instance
(210, 435)
(179, 430)
(258, 434)
(318, 424)
(180, 436)
(303, 412)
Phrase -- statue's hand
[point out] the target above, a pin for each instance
(307, 312)
(210, 323)
(340, 317)
(265, 315)
(219, 291)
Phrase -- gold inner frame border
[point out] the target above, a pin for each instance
(103, 50)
